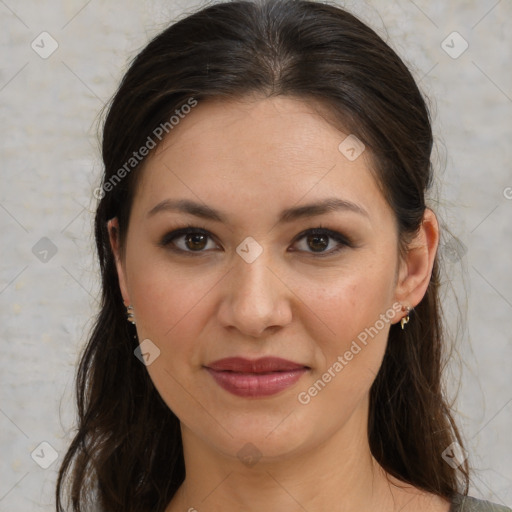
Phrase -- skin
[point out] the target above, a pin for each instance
(251, 159)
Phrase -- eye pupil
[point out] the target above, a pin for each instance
(196, 238)
(316, 238)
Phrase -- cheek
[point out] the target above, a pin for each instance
(171, 311)
(354, 307)
(166, 296)
(351, 300)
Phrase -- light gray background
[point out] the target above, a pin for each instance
(50, 165)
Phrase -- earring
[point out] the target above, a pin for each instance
(405, 319)
(130, 315)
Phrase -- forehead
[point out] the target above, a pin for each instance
(255, 152)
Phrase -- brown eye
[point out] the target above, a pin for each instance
(318, 242)
(187, 240)
(196, 241)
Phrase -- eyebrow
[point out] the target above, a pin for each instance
(327, 205)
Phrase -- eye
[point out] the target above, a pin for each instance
(319, 240)
(194, 240)
(190, 239)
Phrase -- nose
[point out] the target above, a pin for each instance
(257, 301)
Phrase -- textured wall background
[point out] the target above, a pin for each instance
(50, 165)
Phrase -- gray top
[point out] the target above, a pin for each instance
(468, 504)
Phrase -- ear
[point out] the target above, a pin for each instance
(416, 267)
(113, 232)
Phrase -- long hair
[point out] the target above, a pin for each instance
(127, 453)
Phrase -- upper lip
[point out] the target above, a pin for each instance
(262, 365)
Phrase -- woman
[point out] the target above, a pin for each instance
(270, 334)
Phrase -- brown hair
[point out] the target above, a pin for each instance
(127, 453)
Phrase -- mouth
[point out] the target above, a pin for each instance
(255, 378)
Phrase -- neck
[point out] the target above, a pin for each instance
(338, 474)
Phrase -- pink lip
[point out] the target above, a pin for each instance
(255, 378)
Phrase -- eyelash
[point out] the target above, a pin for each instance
(167, 240)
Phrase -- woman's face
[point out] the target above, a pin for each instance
(254, 284)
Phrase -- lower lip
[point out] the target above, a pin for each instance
(256, 384)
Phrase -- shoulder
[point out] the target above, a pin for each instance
(468, 504)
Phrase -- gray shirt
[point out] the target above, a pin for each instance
(467, 504)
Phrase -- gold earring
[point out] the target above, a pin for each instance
(405, 319)
(130, 315)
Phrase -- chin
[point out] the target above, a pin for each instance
(265, 438)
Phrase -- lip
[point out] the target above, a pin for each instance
(255, 378)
